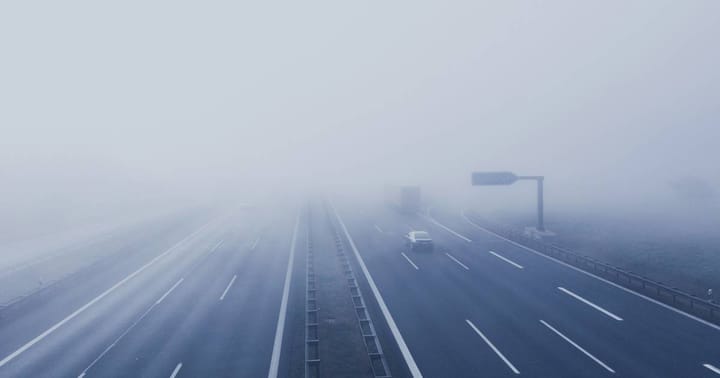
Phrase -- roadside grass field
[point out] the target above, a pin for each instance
(682, 257)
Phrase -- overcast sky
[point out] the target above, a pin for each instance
(613, 101)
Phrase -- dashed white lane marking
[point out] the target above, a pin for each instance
(506, 260)
(138, 320)
(277, 345)
(673, 309)
(176, 371)
(217, 246)
(578, 347)
(446, 228)
(255, 243)
(410, 261)
(228, 287)
(457, 261)
(379, 229)
(587, 302)
(404, 350)
(712, 368)
(490, 344)
(77, 312)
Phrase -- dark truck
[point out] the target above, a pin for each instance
(405, 199)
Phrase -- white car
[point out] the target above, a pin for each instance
(419, 241)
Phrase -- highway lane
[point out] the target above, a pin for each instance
(652, 337)
(206, 306)
(431, 306)
(477, 306)
(210, 336)
(107, 249)
(36, 313)
(507, 304)
(86, 328)
(88, 332)
(513, 304)
(104, 252)
(422, 310)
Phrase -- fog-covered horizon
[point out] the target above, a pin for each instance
(110, 104)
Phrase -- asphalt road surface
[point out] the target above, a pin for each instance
(332, 291)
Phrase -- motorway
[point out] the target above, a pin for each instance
(482, 306)
(230, 296)
(147, 314)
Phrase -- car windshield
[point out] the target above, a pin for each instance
(421, 235)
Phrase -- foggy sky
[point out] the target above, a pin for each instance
(613, 102)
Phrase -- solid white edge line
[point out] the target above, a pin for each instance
(169, 291)
(410, 261)
(678, 311)
(712, 368)
(228, 287)
(277, 345)
(446, 228)
(587, 302)
(457, 261)
(487, 341)
(255, 243)
(409, 360)
(506, 260)
(77, 312)
(176, 371)
(578, 347)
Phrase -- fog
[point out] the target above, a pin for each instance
(118, 106)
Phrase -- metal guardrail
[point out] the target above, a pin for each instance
(378, 363)
(671, 296)
(312, 336)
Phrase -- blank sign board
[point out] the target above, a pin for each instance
(493, 178)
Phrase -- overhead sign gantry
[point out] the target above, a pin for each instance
(509, 178)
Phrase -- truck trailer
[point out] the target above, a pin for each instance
(405, 199)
